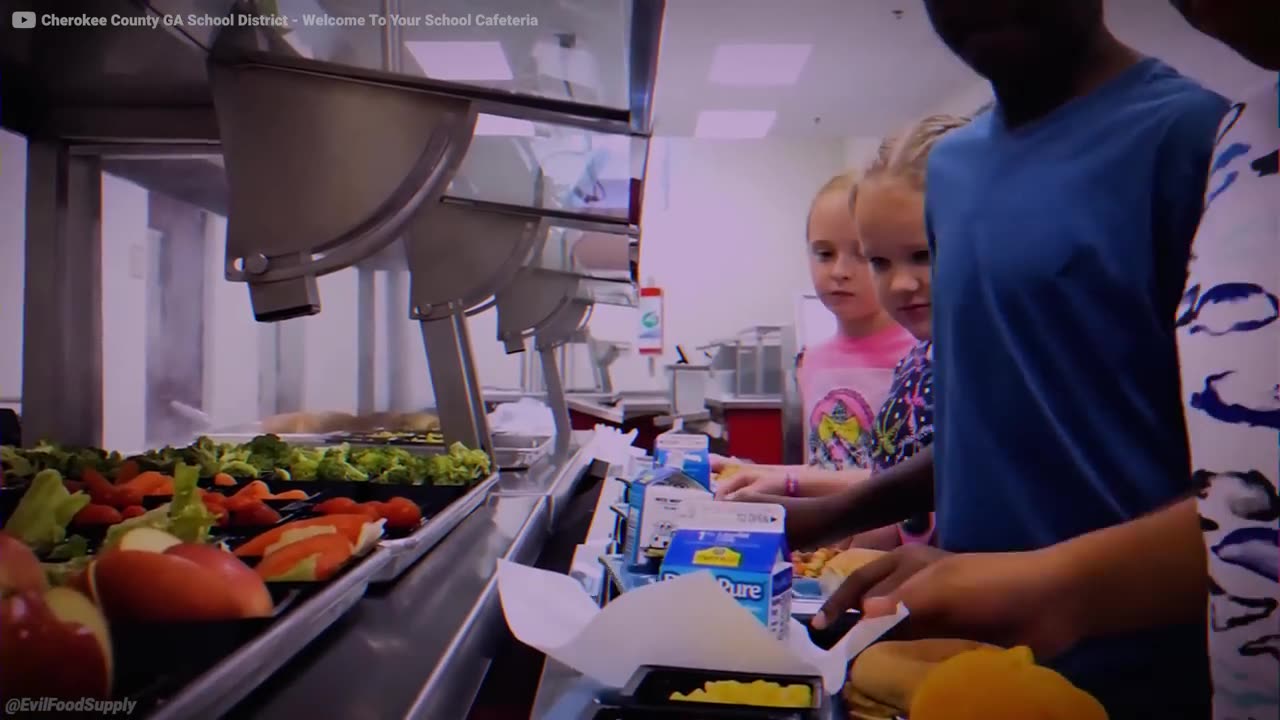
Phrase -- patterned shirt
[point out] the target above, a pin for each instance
(1229, 344)
(842, 381)
(904, 425)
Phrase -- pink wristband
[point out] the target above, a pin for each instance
(792, 485)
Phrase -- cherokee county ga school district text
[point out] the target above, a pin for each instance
(26, 19)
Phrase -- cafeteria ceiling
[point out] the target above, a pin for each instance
(876, 64)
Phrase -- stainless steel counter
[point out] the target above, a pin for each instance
(624, 410)
(421, 632)
(741, 402)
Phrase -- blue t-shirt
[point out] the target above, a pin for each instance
(1060, 254)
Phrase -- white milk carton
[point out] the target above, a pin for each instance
(686, 452)
(654, 501)
(744, 547)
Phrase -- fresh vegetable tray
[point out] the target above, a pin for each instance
(132, 546)
(221, 687)
(403, 552)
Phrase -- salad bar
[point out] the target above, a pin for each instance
(181, 578)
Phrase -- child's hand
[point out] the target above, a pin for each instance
(1006, 599)
(751, 481)
(720, 462)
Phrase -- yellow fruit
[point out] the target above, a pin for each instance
(1000, 685)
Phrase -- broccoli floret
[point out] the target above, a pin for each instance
(398, 475)
(204, 454)
(15, 463)
(335, 467)
(240, 469)
(446, 470)
(373, 462)
(303, 465)
(267, 452)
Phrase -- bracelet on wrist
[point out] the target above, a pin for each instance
(791, 484)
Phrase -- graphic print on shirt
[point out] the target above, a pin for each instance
(904, 424)
(904, 427)
(1229, 343)
(837, 426)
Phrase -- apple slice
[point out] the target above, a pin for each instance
(140, 586)
(54, 645)
(147, 539)
(73, 608)
(247, 588)
(20, 570)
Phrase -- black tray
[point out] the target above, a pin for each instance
(154, 660)
(651, 688)
(430, 499)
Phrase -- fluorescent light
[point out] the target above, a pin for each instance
(734, 124)
(758, 64)
(499, 125)
(460, 60)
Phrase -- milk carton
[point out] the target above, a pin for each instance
(744, 548)
(689, 453)
(654, 501)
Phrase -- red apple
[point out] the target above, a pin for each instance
(20, 571)
(53, 645)
(140, 586)
(246, 587)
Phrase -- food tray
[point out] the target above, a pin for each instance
(153, 660)
(412, 442)
(403, 552)
(519, 452)
(240, 438)
(651, 688)
(219, 689)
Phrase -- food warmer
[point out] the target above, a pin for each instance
(327, 146)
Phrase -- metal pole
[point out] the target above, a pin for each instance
(457, 389)
(794, 442)
(556, 401)
(366, 342)
(397, 301)
(62, 305)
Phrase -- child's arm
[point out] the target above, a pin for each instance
(886, 498)
(754, 481)
(1146, 573)
(1143, 574)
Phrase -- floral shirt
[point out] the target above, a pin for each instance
(1229, 347)
(904, 425)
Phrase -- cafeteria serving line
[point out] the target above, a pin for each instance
(397, 359)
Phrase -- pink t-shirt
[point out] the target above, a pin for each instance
(843, 382)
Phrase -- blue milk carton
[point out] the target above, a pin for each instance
(751, 565)
(654, 501)
(686, 452)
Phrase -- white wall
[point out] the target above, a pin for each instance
(725, 240)
(860, 151)
(124, 313)
(231, 336)
(13, 213)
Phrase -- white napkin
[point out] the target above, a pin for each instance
(688, 621)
